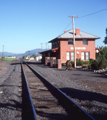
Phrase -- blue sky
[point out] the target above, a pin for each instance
(25, 24)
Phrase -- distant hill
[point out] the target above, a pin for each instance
(22, 54)
(7, 53)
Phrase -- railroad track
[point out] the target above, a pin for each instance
(48, 102)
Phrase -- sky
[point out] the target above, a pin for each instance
(25, 24)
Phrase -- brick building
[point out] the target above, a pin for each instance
(62, 46)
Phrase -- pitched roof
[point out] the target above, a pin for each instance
(69, 34)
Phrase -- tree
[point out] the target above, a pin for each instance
(33, 56)
(102, 58)
(24, 57)
(105, 40)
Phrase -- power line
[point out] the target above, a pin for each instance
(86, 16)
(92, 13)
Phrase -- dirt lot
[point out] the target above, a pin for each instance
(4, 66)
(10, 98)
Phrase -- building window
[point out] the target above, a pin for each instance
(85, 42)
(82, 55)
(72, 56)
(58, 43)
(68, 55)
(48, 54)
(55, 44)
(87, 55)
(70, 42)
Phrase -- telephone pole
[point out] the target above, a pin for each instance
(42, 46)
(46, 46)
(74, 40)
(3, 52)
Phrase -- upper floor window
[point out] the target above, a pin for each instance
(70, 42)
(58, 43)
(85, 42)
(48, 54)
(53, 45)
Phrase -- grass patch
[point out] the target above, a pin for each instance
(8, 59)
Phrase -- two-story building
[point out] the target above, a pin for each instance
(62, 46)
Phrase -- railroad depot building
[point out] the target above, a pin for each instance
(62, 46)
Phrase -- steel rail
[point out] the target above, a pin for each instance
(64, 97)
(29, 95)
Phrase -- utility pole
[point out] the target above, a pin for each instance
(74, 40)
(3, 52)
(29, 54)
(42, 46)
(46, 46)
(38, 51)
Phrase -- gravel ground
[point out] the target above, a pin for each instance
(86, 88)
(10, 99)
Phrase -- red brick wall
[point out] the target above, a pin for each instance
(64, 47)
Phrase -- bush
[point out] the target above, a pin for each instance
(72, 62)
(64, 64)
(94, 65)
(100, 63)
(86, 62)
(79, 62)
(102, 60)
(91, 61)
(89, 67)
(84, 66)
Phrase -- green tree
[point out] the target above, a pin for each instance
(33, 55)
(24, 57)
(102, 58)
(105, 40)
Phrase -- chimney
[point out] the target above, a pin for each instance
(77, 31)
(65, 31)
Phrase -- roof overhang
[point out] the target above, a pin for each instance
(51, 50)
(78, 38)
(54, 50)
(72, 38)
(46, 51)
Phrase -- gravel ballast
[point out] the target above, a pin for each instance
(86, 88)
(10, 97)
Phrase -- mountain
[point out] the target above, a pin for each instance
(7, 53)
(31, 52)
